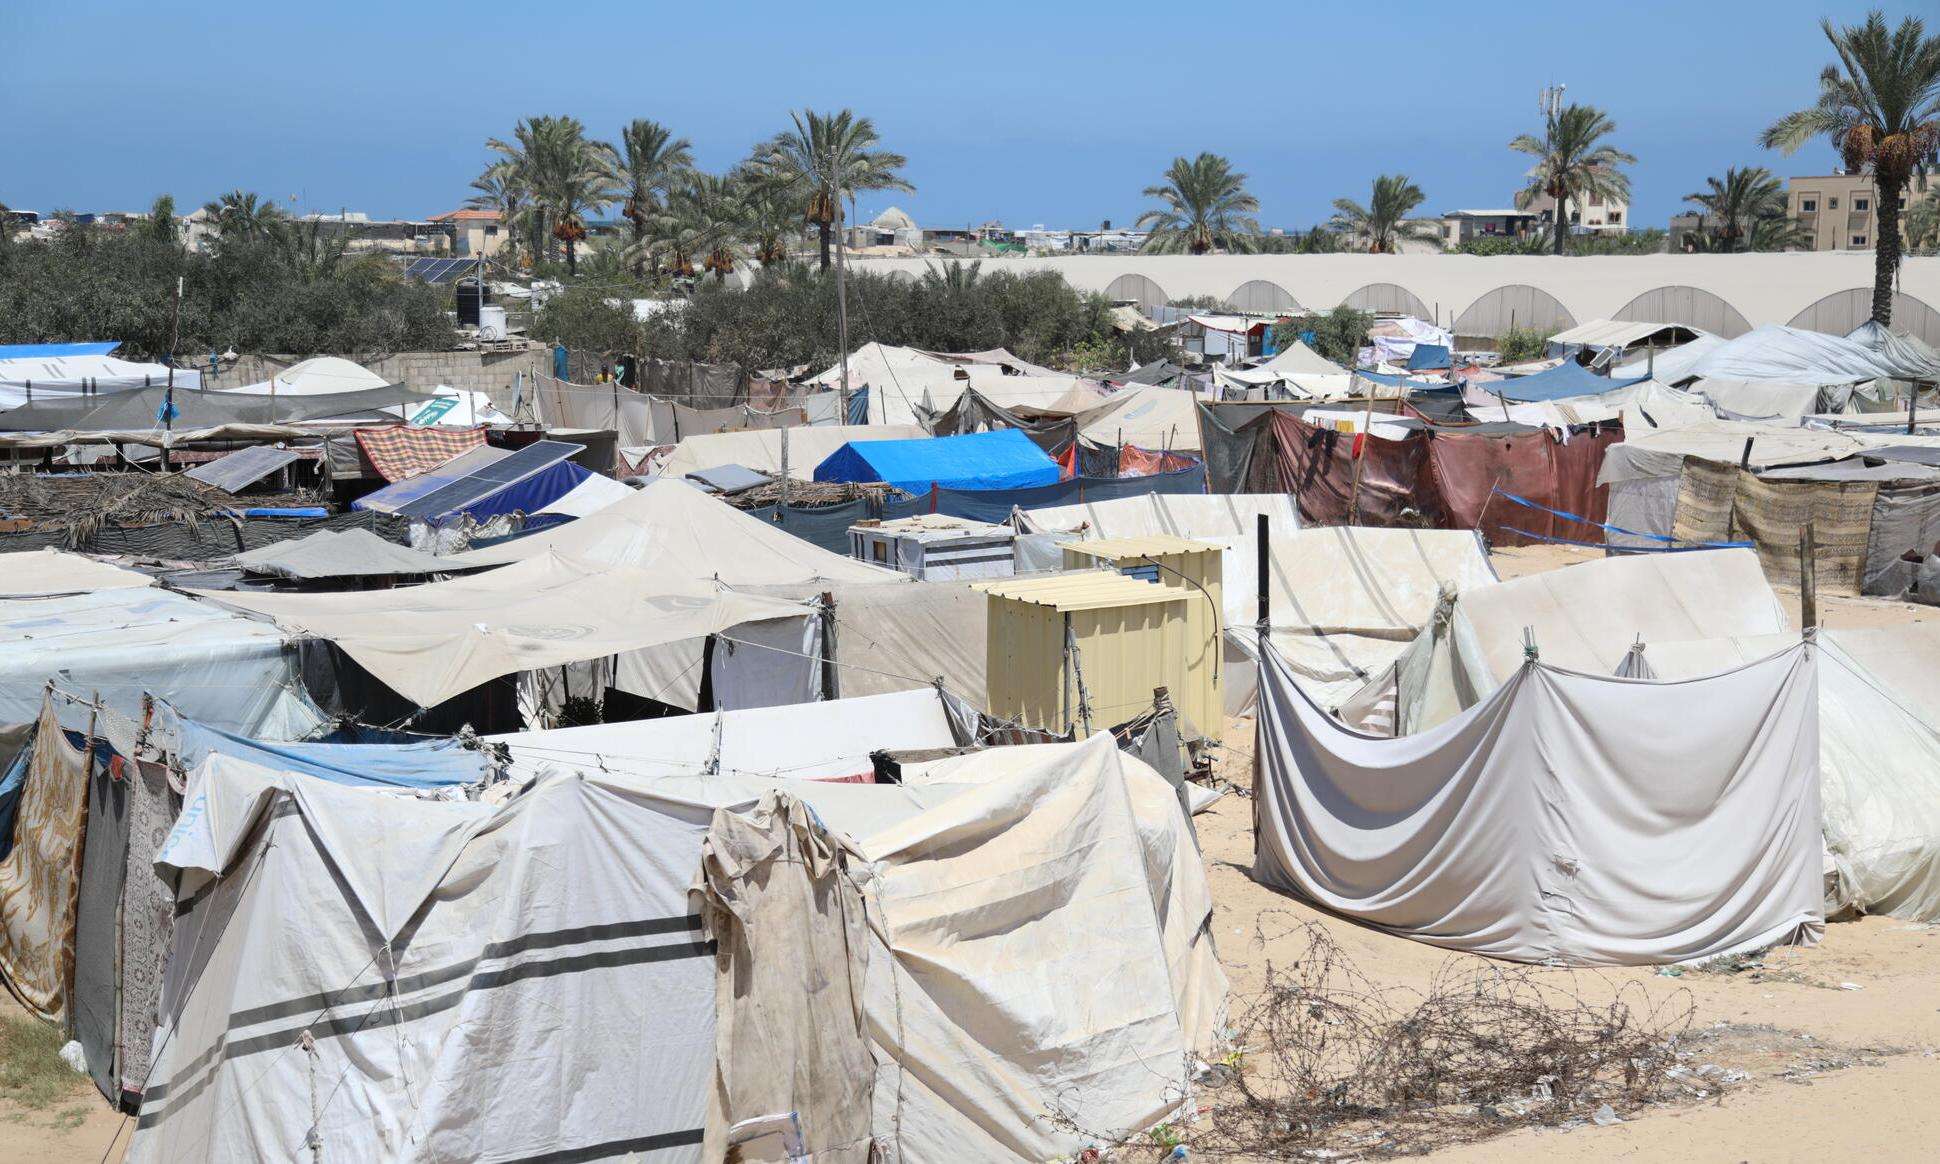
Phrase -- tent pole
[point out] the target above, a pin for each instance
(1808, 577)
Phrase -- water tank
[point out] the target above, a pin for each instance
(471, 296)
(491, 322)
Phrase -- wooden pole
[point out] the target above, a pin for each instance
(168, 395)
(1359, 454)
(1808, 577)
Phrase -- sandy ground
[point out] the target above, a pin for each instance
(1794, 1026)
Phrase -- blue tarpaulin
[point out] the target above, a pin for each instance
(423, 763)
(828, 526)
(1000, 459)
(1565, 380)
(1428, 358)
(56, 351)
(527, 496)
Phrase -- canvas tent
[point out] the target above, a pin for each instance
(47, 572)
(1566, 818)
(571, 902)
(761, 449)
(430, 643)
(1796, 355)
(999, 459)
(317, 376)
(34, 378)
(1344, 601)
(222, 669)
(1149, 417)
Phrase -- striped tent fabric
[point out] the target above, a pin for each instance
(399, 451)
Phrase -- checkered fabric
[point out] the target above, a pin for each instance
(398, 451)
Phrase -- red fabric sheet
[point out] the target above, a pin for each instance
(1136, 462)
(1316, 465)
(1465, 467)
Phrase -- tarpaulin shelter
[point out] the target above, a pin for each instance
(1879, 757)
(1000, 459)
(1435, 476)
(761, 449)
(1150, 417)
(317, 376)
(1566, 380)
(52, 376)
(1428, 358)
(351, 553)
(48, 572)
(1797, 355)
(1344, 601)
(572, 900)
(1584, 617)
(142, 408)
(1566, 818)
(220, 668)
(430, 643)
(906, 1016)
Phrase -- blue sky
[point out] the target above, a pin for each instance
(1031, 113)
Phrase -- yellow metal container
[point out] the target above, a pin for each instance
(1196, 569)
(1062, 646)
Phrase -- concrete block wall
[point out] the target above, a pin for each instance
(494, 373)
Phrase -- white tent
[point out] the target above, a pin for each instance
(1303, 372)
(1150, 416)
(45, 573)
(317, 376)
(528, 980)
(679, 532)
(1573, 818)
(124, 642)
(1344, 601)
(1794, 354)
(760, 449)
(1583, 617)
(903, 380)
(43, 378)
(430, 643)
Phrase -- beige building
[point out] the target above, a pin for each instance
(477, 233)
(1597, 214)
(1842, 210)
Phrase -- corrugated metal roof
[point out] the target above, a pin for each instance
(1084, 590)
(1150, 546)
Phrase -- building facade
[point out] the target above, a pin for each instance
(476, 233)
(1460, 226)
(1842, 210)
(1597, 215)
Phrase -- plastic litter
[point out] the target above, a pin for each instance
(73, 1056)
(1606, 1116)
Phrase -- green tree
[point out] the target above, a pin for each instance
(650, 163)
(1205, 207)
(1381, 225)
(829, 158)
(702, 222)
(1338, 334)
(244, 217)
(1879, 106)
(160, 225)
(499, 189)
(1573, 164)
(566, 176)
(1923, 225)
(775, 213)
(1732, 207)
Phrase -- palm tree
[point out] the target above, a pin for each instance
(565, 176)
(499, 189)
(160, 225)
(241, 216)
(1922, 225)
(774, 212)
(827, 158)
(1571, 167)
(649, 162)
(703, 219)
(1206, 208)
(1880, 108)
(1383, 222)
(954, 276)
(1732, 206)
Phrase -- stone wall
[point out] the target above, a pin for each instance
(494, 373)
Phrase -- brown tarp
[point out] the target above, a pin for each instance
(1718, 502)
(1467, 467)
(1316, 465)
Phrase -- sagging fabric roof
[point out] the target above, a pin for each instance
(1565, 380)
(351, 553)
(45, 572)
(141, 408)
(429, 643)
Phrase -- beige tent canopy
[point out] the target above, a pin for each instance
(761, 449)
(430, 643)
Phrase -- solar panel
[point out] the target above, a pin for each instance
(398, 494)
(242, 468)
(477, 486)
(439, 270)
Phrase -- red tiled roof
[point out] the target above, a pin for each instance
(466, 216)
